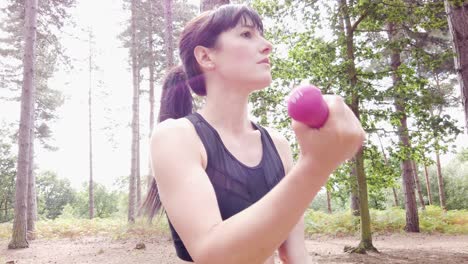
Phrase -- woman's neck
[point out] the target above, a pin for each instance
(226, 109)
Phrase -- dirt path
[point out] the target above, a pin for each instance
(399, 248)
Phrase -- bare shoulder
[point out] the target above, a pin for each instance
(173, 131)
(283, 147)
(278, 138)
(171, 126)
(176, 139)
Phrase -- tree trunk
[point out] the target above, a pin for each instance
(441, 182)
(418, 185)
(6, 209)
(168, 36)
(354, 191)
(412, 218)
(329, 201)
(211, 4)
(32, 197)
(366, 234)
(428, 184)
(151, 87)
(395, 196)
(137, 169)
(19, 239)
(135, 121)
(90, 128)
(458, 25)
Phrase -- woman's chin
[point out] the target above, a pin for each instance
(264, 83)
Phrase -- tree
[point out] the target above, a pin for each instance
(412, 218)
(455, 181)
(329, 64)
(151, 66)
(19, 239)
(105, 202)
(458, 24)
(135, 117)
(440, 182)
(417, 52)
(428, 185)
(395, 196)
(53, 194)
(329, 207)
(149, 45)
(168, 40)
(50, 15)
(7, 175)
(350, 27)
(91, 184)
(32, 196)
(206, 5)
(418, 184)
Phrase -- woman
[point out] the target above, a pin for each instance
(229, 186)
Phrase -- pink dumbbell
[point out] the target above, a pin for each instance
(306, 105)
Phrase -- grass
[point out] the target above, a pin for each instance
(74, 228)
(432, 220)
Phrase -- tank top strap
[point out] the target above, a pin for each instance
(208, 138)
(272, 158)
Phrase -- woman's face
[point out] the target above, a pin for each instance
(241, 55)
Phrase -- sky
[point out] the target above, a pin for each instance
(111, 158)
(114, 77)
(112, 88)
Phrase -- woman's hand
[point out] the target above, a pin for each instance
(336, 141)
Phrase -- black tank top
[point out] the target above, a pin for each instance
(236, 185)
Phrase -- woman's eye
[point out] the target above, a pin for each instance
(246, 34)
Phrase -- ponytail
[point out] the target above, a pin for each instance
(176, 99)
(176, 102)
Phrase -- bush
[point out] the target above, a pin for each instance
(105, 202)
(432, 220)
(75, 228)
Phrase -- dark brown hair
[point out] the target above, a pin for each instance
(176, 98)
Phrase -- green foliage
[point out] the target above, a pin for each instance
(462, 156)
(340, 184)
(105, 202)
(435, 220)
(381, 174)
(457, 3)
(117, 228)
(51, 18)
(455, 177)
(432, 220)
(182, 13)
(425, 84)
(53, 194)
(7, 177)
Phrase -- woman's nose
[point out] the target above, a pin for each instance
(267, 47)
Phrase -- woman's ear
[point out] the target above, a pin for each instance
(204, 58)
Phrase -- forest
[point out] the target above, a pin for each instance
(80, 93)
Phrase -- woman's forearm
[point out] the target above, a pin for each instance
(253, 234)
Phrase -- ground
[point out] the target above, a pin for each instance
(395, 248)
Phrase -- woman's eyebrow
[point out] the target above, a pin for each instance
(248, 26)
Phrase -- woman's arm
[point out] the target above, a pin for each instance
(253, 234)
(293, 250)
(250, 236)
